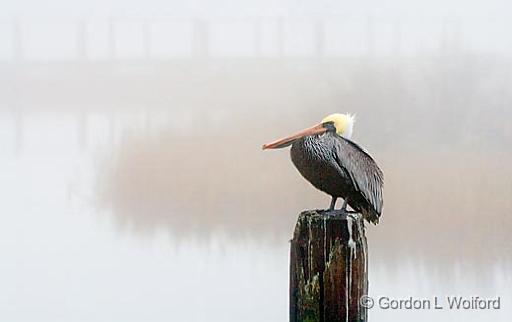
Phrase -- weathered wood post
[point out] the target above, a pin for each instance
(328, 268)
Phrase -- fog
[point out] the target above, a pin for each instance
(134, 183)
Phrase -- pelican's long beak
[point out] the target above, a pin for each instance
(317, 129)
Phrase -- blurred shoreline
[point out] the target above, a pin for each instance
(452, 206)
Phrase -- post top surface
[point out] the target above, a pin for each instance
(323, 214)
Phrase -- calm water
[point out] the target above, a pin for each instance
(129, 217)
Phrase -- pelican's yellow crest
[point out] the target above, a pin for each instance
(344, 123)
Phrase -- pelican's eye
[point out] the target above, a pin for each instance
(329, 126)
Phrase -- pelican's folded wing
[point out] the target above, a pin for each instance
(363, 171)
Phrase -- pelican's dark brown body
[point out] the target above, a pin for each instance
(328, 161)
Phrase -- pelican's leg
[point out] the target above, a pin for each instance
(344, 206)
(333, 203)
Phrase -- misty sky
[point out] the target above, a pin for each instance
(48, 29)
(493, 9)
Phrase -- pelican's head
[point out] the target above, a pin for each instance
(341, 124)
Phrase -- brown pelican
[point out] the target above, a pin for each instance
(330, 161)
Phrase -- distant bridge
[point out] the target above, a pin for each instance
(121, 38)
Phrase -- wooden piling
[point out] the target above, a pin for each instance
(328, 268)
